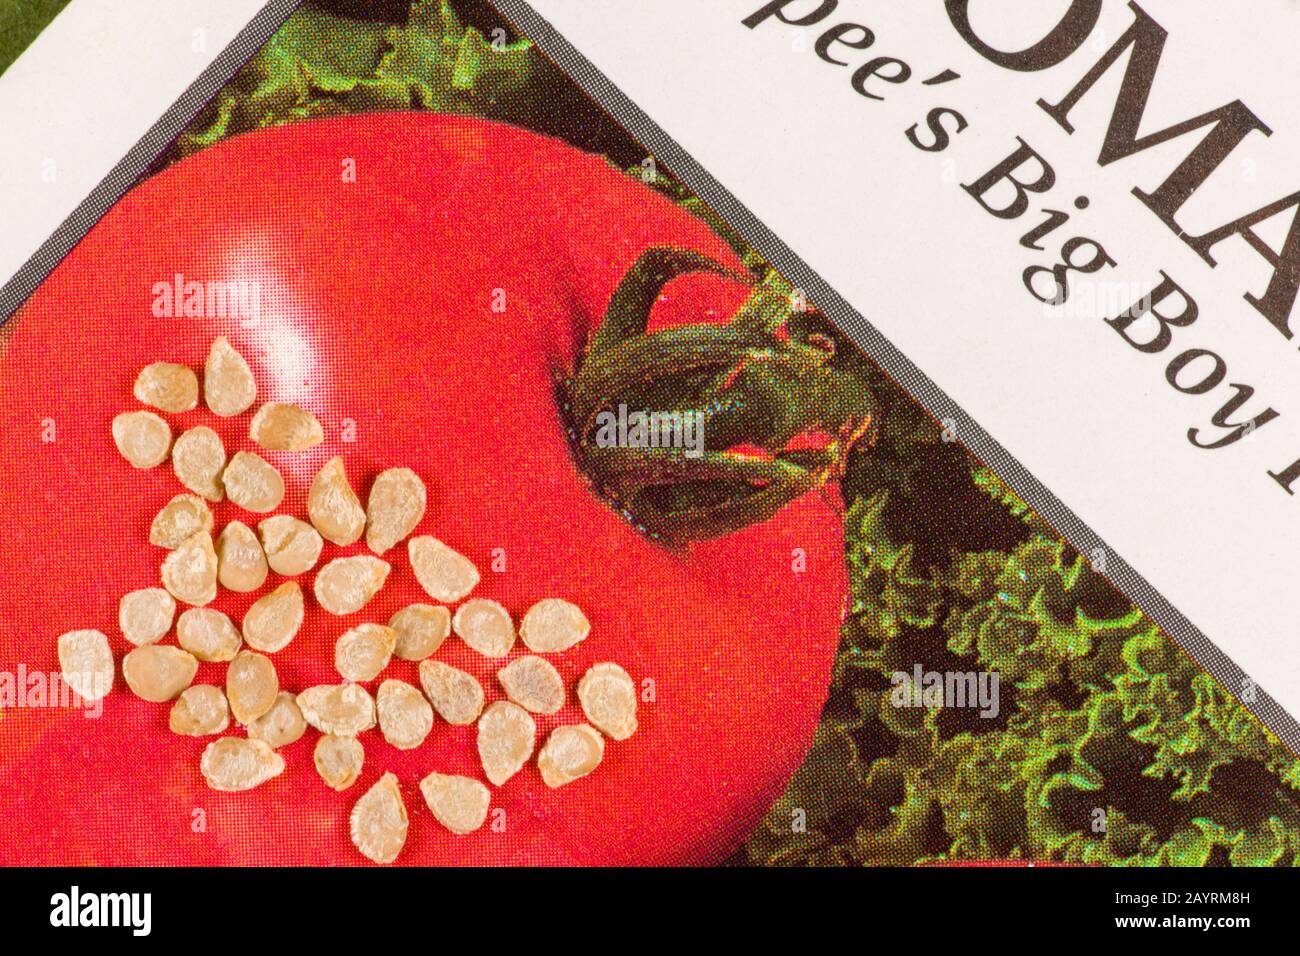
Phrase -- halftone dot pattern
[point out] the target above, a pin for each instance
(901, 369)
(388, 336)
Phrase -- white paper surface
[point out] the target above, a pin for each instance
(85, 92)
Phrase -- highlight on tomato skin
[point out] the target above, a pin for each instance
(375, 312)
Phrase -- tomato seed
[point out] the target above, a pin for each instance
(145, 615)
(506, 736)
(457, 696)
(143, 438)
(167, 386)
(279, 426)
(198, 459)
(459, 803)
(228, 385)
(379, 823)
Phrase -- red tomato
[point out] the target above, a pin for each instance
(376, 312)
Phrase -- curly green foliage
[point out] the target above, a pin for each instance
(322, 64)
(1111, 745)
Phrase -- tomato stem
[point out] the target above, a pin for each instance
(733, 421)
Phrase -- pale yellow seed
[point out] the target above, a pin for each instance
(86, 663)
(362, 653)
(241, 565)
(405, 717)
(485, 626)
(207, 634)
(157, 673)
(292, 546)
(570, 753)
(397, 502)
(190, 572)
(235, 763)
(506, 736)
(344, 710)
(145, 615)
(378, 822)
(333, 507)
(608, 698)
(421, 629)
(274, 619)
(167, 386)
(181, 518)
(459, 803)
(253, 483)
(457, 696)
(533, 684)
(338, 760)
(251, 686)
(279, 426)
(444, 574)
(553, 625)
(200, 711)
(346, 585)
(280, 726)
(199, 458)
(228, 385)
(143, 438)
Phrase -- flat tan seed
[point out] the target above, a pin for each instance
(362, 653)
(200, 711)
(228, 386)
(234, 764)
(190, 572)
(506, 736)
(292, 546)
(156, 673)
(279, 426)
(344, 710)
(459, 803)
(199, 458)
(333, 507)
(569, 753)
(274, 619)
(181, 518)
(485, 626)
(346, 585)
(397, 502)
(207, 634)
(339, 760)
(280, 726)
(143, 438)
(252, 483)
(456, 695)
(379, 822)
(421, 629)
(86, 663)
(405, 717)
(444, 574)
(608, 698)
(241, 565)
(251, 686)
(170, 387)
(145, 615)
(533, 684)
(553, 625)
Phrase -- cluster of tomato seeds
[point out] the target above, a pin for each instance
(241, 560)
